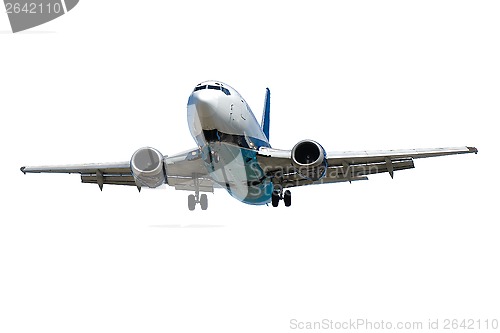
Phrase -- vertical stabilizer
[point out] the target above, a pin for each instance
(266, 113)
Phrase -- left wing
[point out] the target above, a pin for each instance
(95, 173)
(348, 165)
(184, 171)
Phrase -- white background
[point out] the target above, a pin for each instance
(112, 76)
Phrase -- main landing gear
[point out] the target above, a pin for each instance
(278, 195)
(195, 198)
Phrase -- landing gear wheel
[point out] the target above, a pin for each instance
(287, 198)
(191, 202)
(203, 202)
(278, 194)
(275, 198)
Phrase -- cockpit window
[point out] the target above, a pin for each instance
(218, 87)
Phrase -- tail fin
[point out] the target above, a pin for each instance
(266, 114)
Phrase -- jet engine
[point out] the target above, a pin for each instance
(147, 167)
(309, 159)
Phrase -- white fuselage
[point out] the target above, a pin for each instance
(225, 129)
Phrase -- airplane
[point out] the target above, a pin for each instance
(234, 152)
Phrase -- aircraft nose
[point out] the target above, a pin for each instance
(205, 103)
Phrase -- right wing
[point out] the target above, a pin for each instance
(184, 171)
(349, 165)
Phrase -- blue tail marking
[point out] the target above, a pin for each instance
(266, 114)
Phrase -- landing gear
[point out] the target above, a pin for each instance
(279, 195)
(204, 202)
(191, 202)
(275, 199)
(195, 198)
(287, 198)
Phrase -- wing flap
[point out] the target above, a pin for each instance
(189, 183)
(363, 169)
(299, 181)
(113, 179)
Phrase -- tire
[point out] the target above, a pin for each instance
(191, 202)
(203, 202)
(275, 199)
(287, 198)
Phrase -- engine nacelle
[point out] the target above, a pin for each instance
(147, 167)
(309, 159)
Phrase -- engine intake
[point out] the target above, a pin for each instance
(309, 159)
(147, 167)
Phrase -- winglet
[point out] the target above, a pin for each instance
(22, 169)
(472, 150)
(266, 113)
